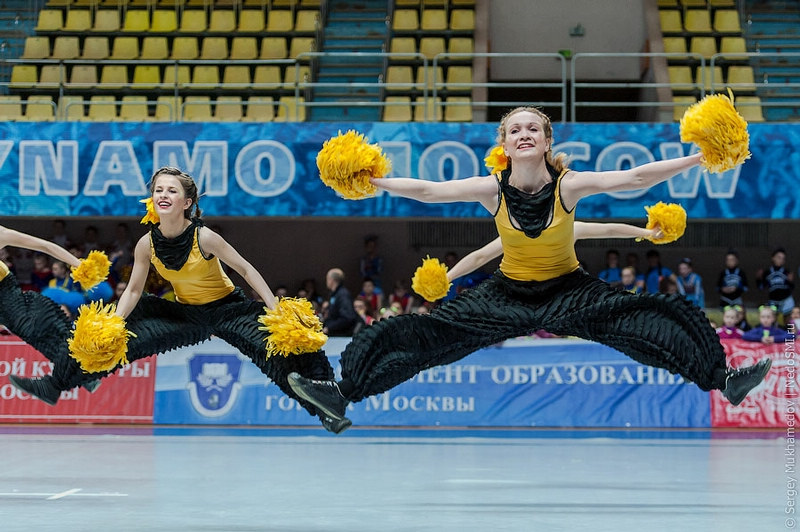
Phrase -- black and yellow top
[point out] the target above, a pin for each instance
(198, 279)
(548, 255)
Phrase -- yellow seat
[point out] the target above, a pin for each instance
(397, 109)
(675, 45)
(214, 48)
(427, 109)
(680, 77)
(301, 45)
(741, 78)
(197, 109)
(134, 109)
(193, 21)
(750, 108)
(722, 3)
(407, 3)
(205, 77)
(228, 109)
(70, 108)
(184, 48)
(66, 48)
(78, 20)
(462, 2)
(727, 21)
(137, 20)
(733, 45)
(267, 77)
(125, 48)
(399, 78)
(10, 108)
(705, 46)
(403, 45)
(428, 76)
(311, 3)
(51, 76)
(461, 19)
(50, 20)
(280, 20)
(713, 78)
(670, 21)
(458, 109)
(291, 109)
(23, 76)
(179, 76)
(95, 48)
(222, 21)
(114, 77)
(433, 20)
(259, 109)
(693, 3)
(251, 20)
(236, 77)
(405, 20)
(83, 76)
(459, 78)
(164, 20)
(102, 109)
(431, 46)
(36, 48)
(284, 3)
(273, 48)
(307, 20)
(40, 109)
(296, 75)
(167, 108)
(697, 21)
(154, 48)
(680, 104)
(461, 45)
(244, 48)
(106, 20)
(146, 76)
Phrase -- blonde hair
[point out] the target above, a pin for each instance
(557, 161)
(188, 184)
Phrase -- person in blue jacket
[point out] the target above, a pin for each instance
(766, 332)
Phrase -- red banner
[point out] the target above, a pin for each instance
(773, 403)
(125, 397)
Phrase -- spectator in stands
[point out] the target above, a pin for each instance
(732, 282)
(402, 296)
(63, 290)
(766, 332)
(341, 318)
(656, 272)
(308, 288)
(612, 274)
(368, 293)
(371, 264)
(668, 285)
(730, 319)
(628, 280)
(689, 283)
(743, 324)
(632, 260)
(361, 306)
(42, 274)
(778, 280)
(281, 291)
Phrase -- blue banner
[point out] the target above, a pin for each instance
(521, 383)
(102, 169)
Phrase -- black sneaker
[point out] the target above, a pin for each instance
(91, 386)
(739, 382)
(337, 426)
(40, 388)
(325, 395)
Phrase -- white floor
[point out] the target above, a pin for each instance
(302, 480)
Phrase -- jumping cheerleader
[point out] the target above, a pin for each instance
(188, 255)
(540, 283)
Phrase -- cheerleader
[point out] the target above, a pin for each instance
(539, 284)
(188, 254)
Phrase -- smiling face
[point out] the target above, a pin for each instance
(525, 133)
(169, 197)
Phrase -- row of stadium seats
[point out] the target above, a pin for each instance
(451, 109)
(698, 21)
(748, 106)
(704, 46)
(429, 46)
(207, 4)
(739, 78)
(403, 79)
(433, 20)
(697, 3)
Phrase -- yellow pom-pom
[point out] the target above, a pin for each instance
(151, 217)
(92, 270)
(99, 341)
(293, 328)
(496, 161)
(670, 218)
(347, 162)
(430, 280)
(719, 130)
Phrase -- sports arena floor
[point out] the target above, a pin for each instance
(80, 478)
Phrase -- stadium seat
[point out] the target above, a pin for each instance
(40, 109)
(114, 77)
(66, 48)
(750, 108)
(301, 45)
(236, 77)
(722, 3)
(205, 77)
(134, 109)
(458, 109)
(675, 45)
(705, 46)
(741, 78)
(102, 109)
(307, 20)
(222, 21)
(51, 76)
(50, 20)
(70, 108)
(167, 108)
(228, 109)
(459, 78)
(462, 19)
(461, 45)
(164, 21)
(713, 81)
(403, 45)
(259, 109)
(693, 3)
(296, 75)
(697, 21)
(193, 21)
(405, 20)
(154, 48)
(197, 109)
(83, 76)
(273, 48)
(680, 77)
(214, 48)
(670, 21)
(400, 78)
(180, 76)
(137, 20)
(10, 108)
(244, 48)
(431, 46)
(433, 76)
(95, 48)
(106, 20)
(78, 20)
(727, 21)
(36, 48)
(23, 76)
(146, 76)
(291, 109)
(733, 45)
(251, 20)
(433, 20)
(266, 77)
(280, 20)
(184, 48)
(397, 109)
(125, 48)
(427, 109)
(680, 104)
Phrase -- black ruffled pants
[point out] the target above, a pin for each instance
(664, 331)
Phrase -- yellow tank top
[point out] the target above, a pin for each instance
(547, 256)
(199, 281)
(3, 270)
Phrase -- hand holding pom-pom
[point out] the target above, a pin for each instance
(293, 328)
(99, 341)
(430, 280)
(719, 130)
(347, 162)
(92, 270)
(668, 219)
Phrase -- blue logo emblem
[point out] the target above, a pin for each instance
(214, 383)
